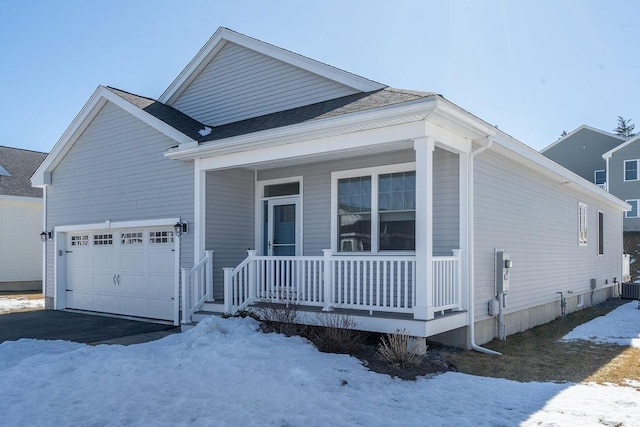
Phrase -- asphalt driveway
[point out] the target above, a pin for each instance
(79, 327)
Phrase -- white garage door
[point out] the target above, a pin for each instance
(124, 271)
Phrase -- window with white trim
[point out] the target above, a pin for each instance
(631, 170)
(633, 213)
(376, 209)
(157, 237)
(599, 177)
(600, 233)
(80, 240)
(582, 224)
(103, 239)
(131, 238)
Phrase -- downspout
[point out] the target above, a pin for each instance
(471, 250)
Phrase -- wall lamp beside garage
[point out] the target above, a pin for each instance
(45, 235)
(180, 228)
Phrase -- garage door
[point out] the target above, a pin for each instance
(122, 271)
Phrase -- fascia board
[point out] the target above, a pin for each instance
(463, 118)
(578, 129)
(294, 133)
(610, 153)
(97, 100)
(222, 35)
(40, 177)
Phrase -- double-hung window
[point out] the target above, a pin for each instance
(375, 209)
(631, 170)
(600, 177)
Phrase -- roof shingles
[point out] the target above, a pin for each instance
(20, 164)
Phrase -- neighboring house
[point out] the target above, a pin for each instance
(581, 152)
(20, 221)
(263, 175)
(623, 178)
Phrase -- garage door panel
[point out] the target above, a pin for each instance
(123, 271)
(162, 285)
(162, 262)
(133, 261)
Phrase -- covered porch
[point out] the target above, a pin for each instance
(285, 225)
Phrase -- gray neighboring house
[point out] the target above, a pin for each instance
(581, 152)
(21, 221)
(623, 179)
(262, 175)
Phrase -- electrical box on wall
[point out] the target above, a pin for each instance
(503, 271)
(494, 307)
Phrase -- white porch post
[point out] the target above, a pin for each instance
(253, 274)
(199, 200)
(423, 305)
(327, 280)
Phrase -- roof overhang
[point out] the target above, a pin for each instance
(224, 35)
(102, 95)
(610, 153)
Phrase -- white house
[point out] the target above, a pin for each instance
(260, 174)
(20, 221)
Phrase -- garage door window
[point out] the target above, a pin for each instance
(156, 237)
(80, 240)
(102, 239)
(131, 238)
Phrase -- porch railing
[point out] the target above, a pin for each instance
(373, 283)
(197, 286)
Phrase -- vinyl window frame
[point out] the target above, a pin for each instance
(636, 203)
(374, 173)
(637, 171)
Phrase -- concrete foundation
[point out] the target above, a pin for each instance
(26, 286)
(48, 303)
(486, 330)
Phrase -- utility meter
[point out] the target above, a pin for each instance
(503, 271)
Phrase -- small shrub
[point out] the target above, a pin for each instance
(282, 318)
(394, 349)
(336, 333)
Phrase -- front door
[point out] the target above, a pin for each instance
(281, 226)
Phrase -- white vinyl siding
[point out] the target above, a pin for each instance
(240, 83)
(20, 244)
(317, 196)
(230, 222)
(541, 241)
(116, 171)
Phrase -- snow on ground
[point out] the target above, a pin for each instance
(620, 326)
(8, 304)
(225, 372)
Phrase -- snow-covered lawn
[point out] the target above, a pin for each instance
(620, 326)
(9, 303)
(227, 373)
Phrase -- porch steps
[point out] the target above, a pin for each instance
(208, 309)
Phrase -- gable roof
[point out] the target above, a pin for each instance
(582, 129)
(621, 146)
(321, 110)
(224, 35)
(163, 118)
(20, 165)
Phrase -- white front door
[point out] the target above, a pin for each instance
(281, 232)
(122, 271)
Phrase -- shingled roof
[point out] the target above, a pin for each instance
(321, 110)
(174, 118)
(20, 165)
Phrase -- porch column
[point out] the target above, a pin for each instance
(423, 305)
(199, 199)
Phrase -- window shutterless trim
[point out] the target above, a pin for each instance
(624, 172)
(636, 203)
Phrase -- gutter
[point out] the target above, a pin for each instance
(471, 257)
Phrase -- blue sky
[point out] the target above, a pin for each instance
(534, 68)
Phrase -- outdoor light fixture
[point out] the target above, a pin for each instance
(180, 228)
(45, 235)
